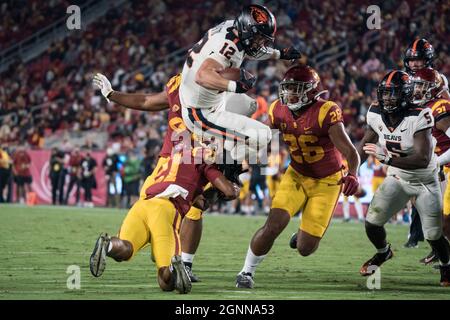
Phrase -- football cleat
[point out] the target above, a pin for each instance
(430, 258)
(411, 244)
(371, 265)
(244, 280)
(293, 241)
(97, 261)
(182, 282)
(445, 276)
(191, 275)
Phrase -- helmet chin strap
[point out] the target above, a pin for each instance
(319, 94)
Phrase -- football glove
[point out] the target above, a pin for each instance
(351, 185)
(245, 83)
(290, 53)
(103, 84)
(380, 153)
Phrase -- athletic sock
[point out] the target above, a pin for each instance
(346, 209)
(188, 259)
(251, 262)
(359, 209)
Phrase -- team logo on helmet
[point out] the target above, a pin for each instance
(259, 15)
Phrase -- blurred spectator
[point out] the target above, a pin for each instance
(57, 175)
(74, 170)
(5, 172)
(110, 165)
(88, 181)
(131, 178)
(22, 174)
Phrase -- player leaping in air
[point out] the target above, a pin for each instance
(202, 89)
(399, 135)
(192, 225)
(156, 217)
(313, 128)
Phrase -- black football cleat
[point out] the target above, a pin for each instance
(371, 265)
(182, 282)
(411, 244)
(191, 275)
(445, 276)
(245, 280)
(430, 258)
(97, 261)
(293, 241)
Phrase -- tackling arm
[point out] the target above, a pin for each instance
(137, 101)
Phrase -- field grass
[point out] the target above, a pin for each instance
(38, 244)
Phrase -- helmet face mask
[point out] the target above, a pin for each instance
(389, 99)
(428, 85)
(294, 94)
(395, 92)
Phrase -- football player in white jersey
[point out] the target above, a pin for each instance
(420, 54)
(399, 135)
(202, 90)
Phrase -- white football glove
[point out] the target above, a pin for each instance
(380, 153)
(103, 84)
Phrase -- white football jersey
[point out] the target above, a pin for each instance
(399, 141)
(220, 44)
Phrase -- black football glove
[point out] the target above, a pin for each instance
(246, 82)
(290, 53)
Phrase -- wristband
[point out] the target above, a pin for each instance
(231, 86)
(276, 53)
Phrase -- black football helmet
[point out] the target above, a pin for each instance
(419, 49)
(395, 92)
(256, 27)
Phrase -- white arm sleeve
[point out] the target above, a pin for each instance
(444, 158)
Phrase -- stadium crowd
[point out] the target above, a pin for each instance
(130, 45)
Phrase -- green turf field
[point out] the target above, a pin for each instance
(38, 244)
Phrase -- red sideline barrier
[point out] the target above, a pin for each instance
(40, 162)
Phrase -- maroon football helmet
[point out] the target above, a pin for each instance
(300, 86)
(428, 85)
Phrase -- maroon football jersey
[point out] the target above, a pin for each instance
(175, 122)
(440, 109)
(191, 175)
(311, 150)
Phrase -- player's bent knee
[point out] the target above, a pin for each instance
(306, 250)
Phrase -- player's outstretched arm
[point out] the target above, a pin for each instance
(370, 136)
(138, 101)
